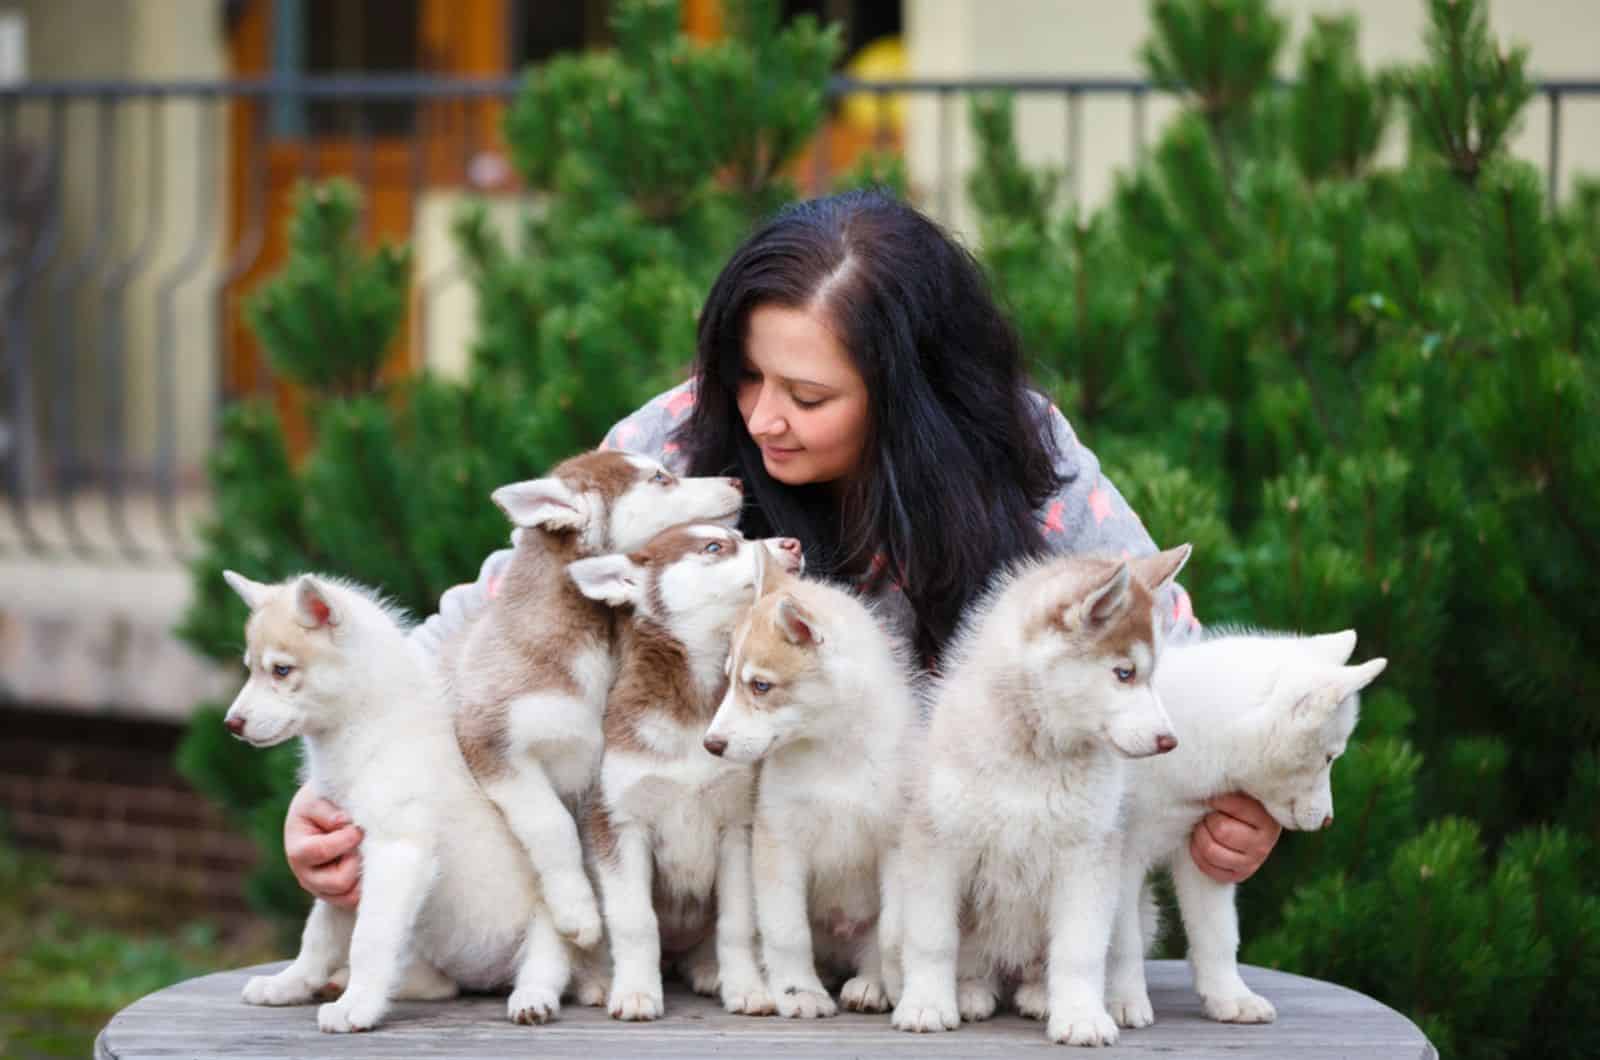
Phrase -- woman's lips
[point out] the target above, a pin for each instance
(779, 453)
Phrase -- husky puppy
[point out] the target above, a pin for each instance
(1014, 822)
(671, 823)
(819, 694)
(448, 898)
(1263, 714)
(528, 668)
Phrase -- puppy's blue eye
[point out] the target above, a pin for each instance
(715, 546)
(281, 669)
(761, 688)
(660, 478)
(1124, 673)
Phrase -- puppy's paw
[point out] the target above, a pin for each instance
(975, 999)
(925, 1015)
(635, 1006)
(1085, 1025)
(350, 1014)
(578, 920)
(864, 994)
(590, 991)
(285, 988)
(532, 1004)
(796, 1002)
(748, 998)
(705, 978)
(1240, 1008)
(1131, 1011)
(1032, 1000)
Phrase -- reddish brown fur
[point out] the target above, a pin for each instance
(536, 622)
(654, 672)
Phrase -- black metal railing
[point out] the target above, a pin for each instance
(131, 213)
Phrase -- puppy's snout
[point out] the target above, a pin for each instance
(716, 745)
(736, 483)
(1165, 742)
(791, 545)
(234, 725)
(1327, 822)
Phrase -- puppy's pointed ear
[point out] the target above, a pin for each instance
(1155, 571)
(252, 593)
(547, 503)
(1353, 679)
(1333, 648)
(311, 607)
(613, 580)
(797, 625)
(1106, 601)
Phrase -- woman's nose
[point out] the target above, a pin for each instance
(766, 418)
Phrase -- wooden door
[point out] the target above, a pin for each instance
(393, 150)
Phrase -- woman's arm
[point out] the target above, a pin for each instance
(1090, 515)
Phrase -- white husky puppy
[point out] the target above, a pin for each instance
(1013, 825)
(1259, 713)
(529, 668)
(448, 898)
(818, 693)
(671, 825)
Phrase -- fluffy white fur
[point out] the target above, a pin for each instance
(1264, 714)
(678, 818)
(447, 899)
(1014, 820)
(819, 694)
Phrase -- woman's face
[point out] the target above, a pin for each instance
(801, 397)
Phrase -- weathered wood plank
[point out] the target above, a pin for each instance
(205, 1018)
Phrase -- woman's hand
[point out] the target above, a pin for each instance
(322, 847)
(1232, 841)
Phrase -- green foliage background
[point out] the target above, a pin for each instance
(1364, 391)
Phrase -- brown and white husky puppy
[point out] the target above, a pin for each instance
(819, 694)
(528, 667)
(670, 825)
(1014, 821)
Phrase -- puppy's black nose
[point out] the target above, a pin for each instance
(235, 726)
(716, 745)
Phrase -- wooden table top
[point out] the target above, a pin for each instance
(205, 1018)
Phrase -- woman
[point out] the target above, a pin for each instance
(855, 371)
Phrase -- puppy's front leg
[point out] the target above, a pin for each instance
(395, 877)
(324, 949)
(930, 934)
(548, 833)
(783, 873)
(625, 874)
(1212, 924)
(1082, 906)
(1127, 996)
(743, 989)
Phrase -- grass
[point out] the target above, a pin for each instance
(70, 959)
